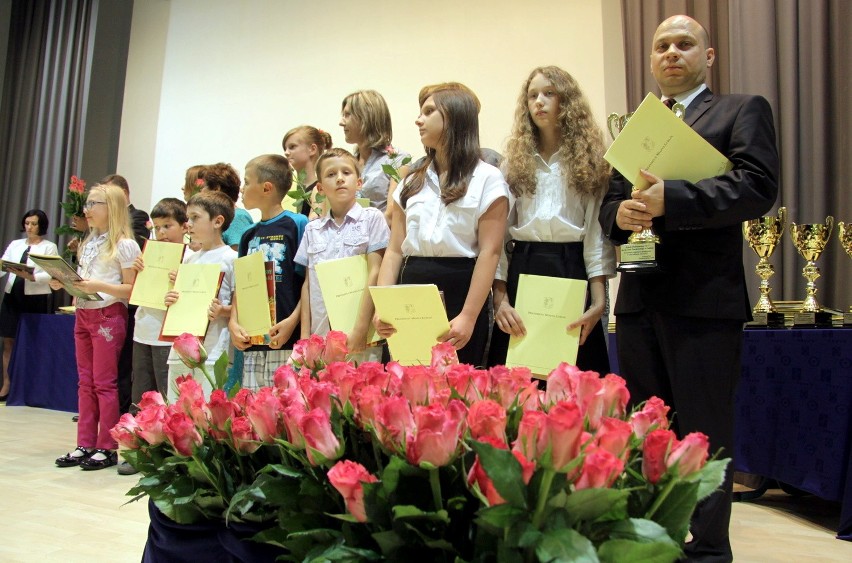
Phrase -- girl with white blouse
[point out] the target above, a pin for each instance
(555, 169)
(25, 292)
(106, 259)
(453, 217)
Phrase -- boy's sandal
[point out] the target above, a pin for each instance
(90, 464)
(71, 460)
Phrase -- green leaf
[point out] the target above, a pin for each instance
(597, 504)
(710, 477)
(409, 512)
(566, 545)
(220, 371)
(675, 511)
(389, 541)
(626, 551)
(501, 516)
(640, 530)
(505, 472)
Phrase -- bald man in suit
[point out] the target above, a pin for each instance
(679, 331)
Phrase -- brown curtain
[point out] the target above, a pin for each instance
(795, 53)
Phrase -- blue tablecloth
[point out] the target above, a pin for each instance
(794, 411)
(43, 367)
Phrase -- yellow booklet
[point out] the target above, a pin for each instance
(197, 284)
(153, 283)
(343, 282)
(547, 305)
(419, 317)
(252, 294)
(655, 139)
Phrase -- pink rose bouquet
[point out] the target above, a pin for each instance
(445, 461)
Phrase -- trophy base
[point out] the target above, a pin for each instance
(766, 320)
(821, 319)
(639, 258)
(847, 320)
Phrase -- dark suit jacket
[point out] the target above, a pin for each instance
(701, 231)
(139, 221)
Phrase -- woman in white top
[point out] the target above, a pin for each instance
(453, 217)
(25, 292)
(556, 172)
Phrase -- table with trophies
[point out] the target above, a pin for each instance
(794, 401)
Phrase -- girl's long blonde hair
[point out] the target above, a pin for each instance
(119, 221)
(582, 146)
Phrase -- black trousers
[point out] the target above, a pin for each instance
(452, 276)
(125, 364)
(693, 364)
(559, 260)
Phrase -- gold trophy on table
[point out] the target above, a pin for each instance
(844, 232)
(640, 253)
(810, 241)
(762, 235)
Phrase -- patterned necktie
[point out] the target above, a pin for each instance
(670, 103)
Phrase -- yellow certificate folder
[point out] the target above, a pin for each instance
(197, 284)
(547, 305)
(252, 294)
(419, 317)
(655, 139)
(343, 282)
(152, 283)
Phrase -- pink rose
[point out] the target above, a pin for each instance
(77, 185)
(561, 383)
(319, 394)
(150, 424)
(243, 399)
(600, 469)
(265, 415)
(563, 431)
(690, 454)
(530, 430)
(487, 418)
(373, 373)
(470, 383)
(245, 440)
(655, 451)
(417, 384)
(125, 432)
(150, 398)
(437, 434)
(181, 433)
(654, 414)
(348, 478)
(394, 422)
(335, 347)
(220, 410)
(615, 396)
(285, 377)
(322, 444)
(191, 398)
(293, 414)
(613, 435)
(443, 355)
(308, 352)
(366, 402)
(188, 347)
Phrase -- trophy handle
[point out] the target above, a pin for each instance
(612, 120)
(829, 225)
(782, 216)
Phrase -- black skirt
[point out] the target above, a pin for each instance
(452, 276)
(15, 304)
(559, 260)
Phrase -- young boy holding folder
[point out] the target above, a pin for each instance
(347, 230)
(209, 215)
(277, 235)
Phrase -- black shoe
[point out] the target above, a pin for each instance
(90, 464)
(75, 418)
(3, 398)
(125, 468)
(69, 460)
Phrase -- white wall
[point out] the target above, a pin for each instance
(219, 80)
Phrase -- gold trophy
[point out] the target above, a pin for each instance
(639, 255)
(810, 241)
(762, 236)
(845, 235)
